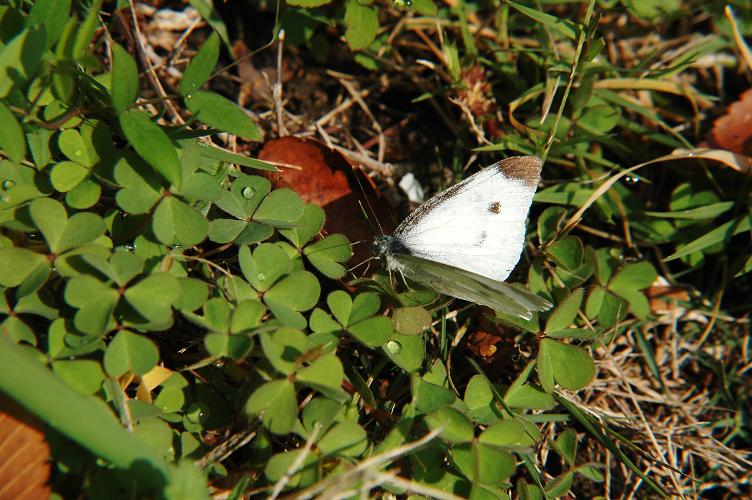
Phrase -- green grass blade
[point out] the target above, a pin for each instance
(86, 421)
(717, 235)
(707, 212)
(563, 26)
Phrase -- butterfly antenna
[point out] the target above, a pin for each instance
(368, 202)
(366, 217)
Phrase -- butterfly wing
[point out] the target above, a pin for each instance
(467, 285)
(478, 224)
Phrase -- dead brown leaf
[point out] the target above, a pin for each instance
(733, 131)
(327, 178)
(25, 464)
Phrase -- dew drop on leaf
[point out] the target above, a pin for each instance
(393, 346)
(195, 414)
(8, 183)
(261, 276)
(248, 192)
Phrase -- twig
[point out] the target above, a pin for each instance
(221, 452)
(277, 88)
(151, 72)
(386, 170)
(372, 462)
(358, 98)
(480, 136)
(295, 465)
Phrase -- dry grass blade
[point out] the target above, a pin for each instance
(347, 479)
(672, 416)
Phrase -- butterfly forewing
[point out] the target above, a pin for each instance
(479, 224)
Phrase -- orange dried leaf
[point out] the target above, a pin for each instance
(733, 131)
(327, 178)
(25, 464)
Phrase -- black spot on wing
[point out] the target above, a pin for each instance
(483, 236)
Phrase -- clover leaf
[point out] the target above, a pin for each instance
(286, 293)
(309, 225)
(565, 364)
(28, 270)
(177, 222)
(145, 303)
(346, 439)
(61, 232)
(288, 350)
(140, 186)
(74, 177)
(265, 266)
(277, 405)
(129, 352)
(483, 464)
(284, 348)
(357, 317)
(228, 326)
(256, 209)
(19, 185)
(325, 374)
(296, 292)
(326, 254)
(628, 284)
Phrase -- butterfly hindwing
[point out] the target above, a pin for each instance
(467, 285)
(479, 224)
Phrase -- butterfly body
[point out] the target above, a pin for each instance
(466, 240)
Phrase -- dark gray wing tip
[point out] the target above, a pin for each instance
(524, 168)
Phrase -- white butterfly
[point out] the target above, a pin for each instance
(466, 240)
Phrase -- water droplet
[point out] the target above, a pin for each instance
(177, 245)
(394, 347)
(632, 179)
(7, 184)
(261, 276)
(79, 153)
(195, 414)
(248, 192)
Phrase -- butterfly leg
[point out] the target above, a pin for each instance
(367, 261)
(403, 279)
